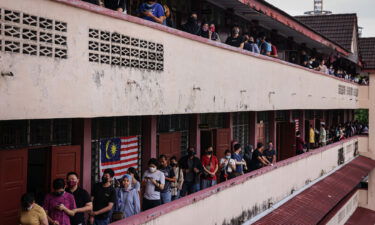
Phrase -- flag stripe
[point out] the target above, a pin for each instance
(129, 149)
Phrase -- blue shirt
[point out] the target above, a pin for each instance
(265, 47)
(156, 9)
(238, 158)
(127, 202)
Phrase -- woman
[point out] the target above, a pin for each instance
(208, 31)
(128, 203)
(258, 160)
(227, 166)
(177, 185)
(31, 213)
(135, 179)
(152, 184)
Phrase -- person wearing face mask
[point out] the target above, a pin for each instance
(240, 162)
(59, 205)
(103, 198)
(177, 185)
(31, 213)
(192, 168)
(191, 26)
(227, 166)
(210, 166)
(153, 183)
(127, 203)
(153, 12)
(81, 197)
(235, 40)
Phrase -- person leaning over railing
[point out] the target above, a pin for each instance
(152, 11)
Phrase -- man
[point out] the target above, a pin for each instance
(192, 168)
(152, 11)
(191, 26)
(117, 5)
(270, 153)
(81, 197)
(170, 177)
(265, 47)
(210, 166)
(323, 135)
(311, 137)
(59, 205)
(103, 198)
(299, 143)
(240, 162)
(235, 39)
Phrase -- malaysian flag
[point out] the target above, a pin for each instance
(119, 154)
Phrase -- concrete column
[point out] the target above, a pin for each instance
(371, 182)
(81, 135)
(272, 126)
(229, 124)
(194, 133)
(253, 128)
(149, 129)
(301, 120)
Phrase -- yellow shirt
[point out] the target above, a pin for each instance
(312, 136)
(33, 216)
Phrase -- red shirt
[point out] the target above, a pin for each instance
(212, 162)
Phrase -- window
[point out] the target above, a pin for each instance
(241, 128)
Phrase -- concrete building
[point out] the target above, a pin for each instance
(74, 74)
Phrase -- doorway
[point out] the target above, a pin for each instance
(285, 140)
(219, 139)
(39, 175)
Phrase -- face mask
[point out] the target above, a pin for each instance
(104, 179)
(209, 153)
(152, 169)
(72, 183)
(227, 156)
(191, 153)
(173, 164)
(58, 193)
(205, 29)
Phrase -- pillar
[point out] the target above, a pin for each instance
(253, 128)
(272, 126)
(301, 120)
(371, 182)
(194, 133)
(81, 135)
(229, 124)
(149, 129)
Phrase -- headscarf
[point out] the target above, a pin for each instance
(129, 177)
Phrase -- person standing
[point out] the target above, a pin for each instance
(128, 203)
(258, 160)
(322, 135)
(170, 177)
(210, 166)
(31, 213)
(81, 197)
(135, 179)
(153, 183)
(235, 39)
(152, 11)
(191, 26)
(311, 137)
(248, 155)
(270, 153)
(192, 168)
(265, 47)
(59, 204)
(227, 166)
(177, 185)
(117, 5)
(103, 197)
(240, 162)
(299, 143)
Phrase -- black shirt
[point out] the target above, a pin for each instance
(168, 173)
(269, 153)
(255, 162)
(102, 197)
(81, 198)
(235, 42)
(96, 2)
(114, 4)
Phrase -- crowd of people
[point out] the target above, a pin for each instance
(328, 135)
(165, 180)
(260, 43)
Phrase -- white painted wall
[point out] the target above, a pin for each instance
(269, 187)
(346, 211)
(228, 81)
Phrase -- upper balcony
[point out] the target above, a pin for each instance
(80, 60)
